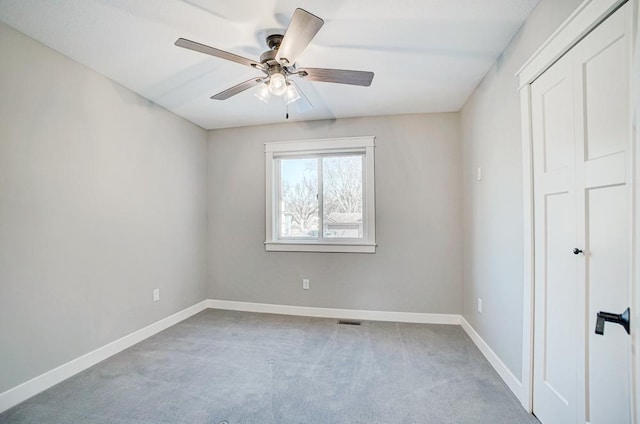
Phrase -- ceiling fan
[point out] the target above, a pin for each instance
(279, 62)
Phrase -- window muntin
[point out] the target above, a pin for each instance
(320, 195)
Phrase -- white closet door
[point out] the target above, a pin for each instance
(581, 146)
(603, 130)
(556, 335)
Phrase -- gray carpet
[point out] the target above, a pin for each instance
(238, 368)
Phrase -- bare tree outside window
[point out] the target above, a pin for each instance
(299, 197)
(342, 196)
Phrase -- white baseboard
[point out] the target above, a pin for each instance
(310, 311)
(36, 385)
(507, 376)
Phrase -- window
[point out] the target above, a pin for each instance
(320, 195)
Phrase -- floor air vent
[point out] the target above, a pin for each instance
(341, 322)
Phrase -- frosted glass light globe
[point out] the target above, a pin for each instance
(292, 94)
(263, 93)
(277, 84)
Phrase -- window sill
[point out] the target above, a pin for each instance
(281, 246)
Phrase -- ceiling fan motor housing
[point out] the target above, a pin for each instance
(274, 40)
(268, 58)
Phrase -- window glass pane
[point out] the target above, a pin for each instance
(298, 211)
(342, 196)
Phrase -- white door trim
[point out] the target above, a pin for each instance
(586, 17)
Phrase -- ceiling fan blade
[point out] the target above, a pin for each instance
(238, 88)
(302, 28)
(202, 48)
(340, 76)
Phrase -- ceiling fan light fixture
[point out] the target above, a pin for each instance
(277, 84)
(264, 93)
(292, 94)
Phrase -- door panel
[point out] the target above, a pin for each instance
(601, 66)
(558, 136)
(608, 123)
(559, 334)
(581, 138)
(555, 306)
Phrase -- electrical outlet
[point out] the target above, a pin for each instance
(479, 305)
(305, 284)
(479, 174)
(156, 295)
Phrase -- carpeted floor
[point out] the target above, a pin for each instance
(240, 368)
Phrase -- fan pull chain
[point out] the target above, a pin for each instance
(287, 114)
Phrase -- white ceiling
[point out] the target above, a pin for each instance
(427, 55)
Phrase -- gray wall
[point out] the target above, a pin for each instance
(102, 199)
(417, 266)
(493, 215)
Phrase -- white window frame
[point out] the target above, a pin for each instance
(279, 149)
